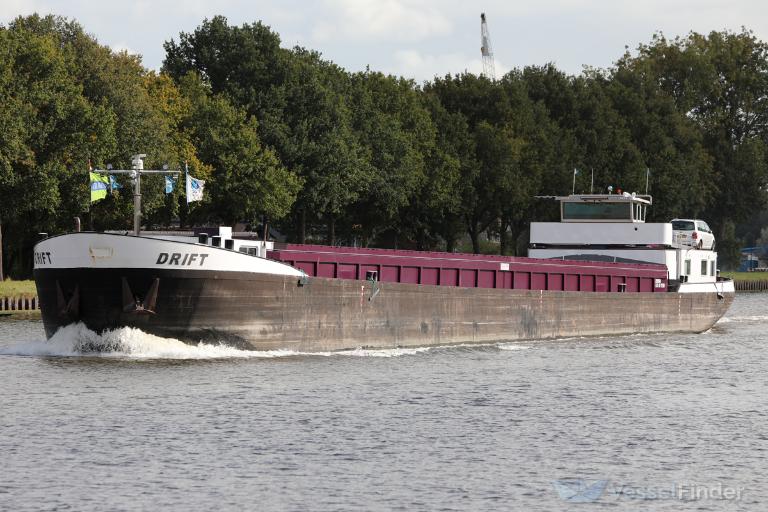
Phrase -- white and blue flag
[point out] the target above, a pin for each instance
(170, 183)
(194, 189)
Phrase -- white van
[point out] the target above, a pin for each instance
(693, 232)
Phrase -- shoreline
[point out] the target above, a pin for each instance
(33, 314)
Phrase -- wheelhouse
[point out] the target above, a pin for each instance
(604, 207)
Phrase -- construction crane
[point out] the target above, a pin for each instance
(485, 49)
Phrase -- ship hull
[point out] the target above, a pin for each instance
(267, 312)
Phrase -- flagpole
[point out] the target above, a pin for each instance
(592, 182)
(573, 188)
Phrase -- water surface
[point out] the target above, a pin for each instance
(658, 422)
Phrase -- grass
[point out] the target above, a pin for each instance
(746, 276)
(9, 288)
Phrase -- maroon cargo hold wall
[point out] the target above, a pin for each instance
(471, 270)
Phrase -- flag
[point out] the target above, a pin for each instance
(99, 186)
(194, 189)
(113, 183)
(169, 184)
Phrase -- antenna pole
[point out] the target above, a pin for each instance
(647, 176)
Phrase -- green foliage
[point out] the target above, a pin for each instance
(718, 82)
(246, 180)
(396, 129)
(242, 62)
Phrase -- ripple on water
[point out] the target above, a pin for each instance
(143, 424)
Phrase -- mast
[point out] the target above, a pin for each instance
(138, 165)
(485, 49)
(137, 169)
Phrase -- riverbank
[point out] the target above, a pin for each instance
(33, 314)
(748, 281)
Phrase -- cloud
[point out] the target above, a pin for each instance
(414, 64)
(401, 20)
(416, 38)
(123, 47)
(10, 9)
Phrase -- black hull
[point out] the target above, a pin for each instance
(265, 312)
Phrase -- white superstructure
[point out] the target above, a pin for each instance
(612, 227)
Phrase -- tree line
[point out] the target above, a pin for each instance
(323, 154)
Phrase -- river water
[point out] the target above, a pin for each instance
(658, 422)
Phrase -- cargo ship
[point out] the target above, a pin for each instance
(600, 270)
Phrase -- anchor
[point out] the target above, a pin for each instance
(132, 304)
(68, 309)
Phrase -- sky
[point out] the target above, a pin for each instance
(418, 39)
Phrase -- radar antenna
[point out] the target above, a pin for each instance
(485, 49)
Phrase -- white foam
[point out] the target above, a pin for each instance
(127, 342)
(77, 340)
(745, 318)
(512, 346)
(379, 352)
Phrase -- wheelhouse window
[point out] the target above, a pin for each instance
(712, 269)
(597, 211)
(703, 267)
(687, 267)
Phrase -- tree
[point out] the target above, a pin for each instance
(313, 135)
(671, 144)
(718, 81)
(396, 129)
(246, 179)
(46, 122)
(434, 214)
